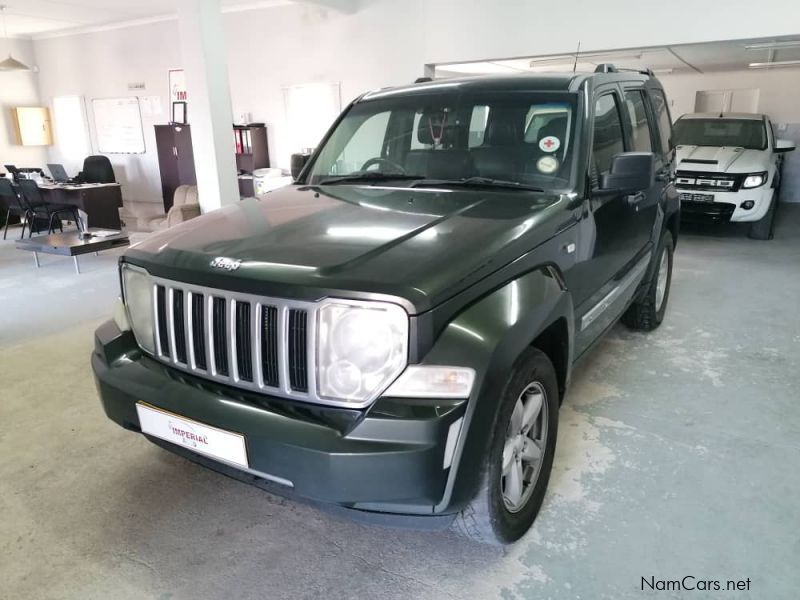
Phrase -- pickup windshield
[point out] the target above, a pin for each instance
(744, 133)
(505, 139)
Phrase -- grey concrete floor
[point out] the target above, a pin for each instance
(678, 455)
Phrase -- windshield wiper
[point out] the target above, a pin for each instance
(366, 176)
(484, 182)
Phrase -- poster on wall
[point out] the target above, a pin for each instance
(177, 85)
(177, 95)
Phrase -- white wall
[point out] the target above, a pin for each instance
(386, 42)
(777, 98)
(101, 65)
(18, 89)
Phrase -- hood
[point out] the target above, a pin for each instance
(725, 159)
(416, 246)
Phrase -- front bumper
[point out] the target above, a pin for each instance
(387, 458)
(726, 206)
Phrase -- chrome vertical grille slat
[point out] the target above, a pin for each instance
(170, 324)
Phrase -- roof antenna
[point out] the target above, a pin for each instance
(577, 52)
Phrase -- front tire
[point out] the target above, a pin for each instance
(647, 312)
(515, 473)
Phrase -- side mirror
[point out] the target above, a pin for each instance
(784, 145)
(630, 172)
(298, 162)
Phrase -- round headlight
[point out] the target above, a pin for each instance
(363, 336)
(363, 347)
(137, 290)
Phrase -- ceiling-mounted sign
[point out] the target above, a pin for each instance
(177, 85)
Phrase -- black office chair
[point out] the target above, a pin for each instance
(97, 169)
(11, 204)
(37, 208)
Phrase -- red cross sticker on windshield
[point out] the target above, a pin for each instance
(549, 144)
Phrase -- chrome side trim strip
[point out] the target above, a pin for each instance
(634, 277)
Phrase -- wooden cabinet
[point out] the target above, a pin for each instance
(175, 159)
(32, 125)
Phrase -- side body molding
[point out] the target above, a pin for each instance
(488, 336)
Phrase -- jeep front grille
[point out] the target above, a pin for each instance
(243, 340)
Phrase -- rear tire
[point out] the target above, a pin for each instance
(762, 229)
(647, 312)
(493, 516)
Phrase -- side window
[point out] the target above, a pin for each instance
(640, 129)
(664, 122)
(366, 143)
(607, 133)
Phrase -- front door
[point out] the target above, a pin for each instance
(610, 237)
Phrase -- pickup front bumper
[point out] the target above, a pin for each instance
(723, 207)
(388, 458)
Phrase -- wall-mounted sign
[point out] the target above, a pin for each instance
(177, 85)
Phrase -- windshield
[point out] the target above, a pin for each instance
(745, 133)
(486, 138)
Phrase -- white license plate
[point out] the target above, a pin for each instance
(197, 437)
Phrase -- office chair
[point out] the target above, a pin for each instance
(10, 202)
(97, 169)
(36, 207)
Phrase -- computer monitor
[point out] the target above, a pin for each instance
(58, 173)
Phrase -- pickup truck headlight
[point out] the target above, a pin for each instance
(363, 347)
(755, 180)
(137, 291)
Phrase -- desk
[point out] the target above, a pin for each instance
(100, 201)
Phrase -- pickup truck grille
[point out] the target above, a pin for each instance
(243, 340)
(708, 182)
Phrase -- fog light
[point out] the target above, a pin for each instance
(748, 204)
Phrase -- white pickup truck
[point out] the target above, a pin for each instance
(729, 168)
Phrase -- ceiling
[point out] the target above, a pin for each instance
(26, 18)
(687, 58)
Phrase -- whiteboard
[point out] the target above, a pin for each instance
(118, 125)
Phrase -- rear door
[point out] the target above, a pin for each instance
(643, 137)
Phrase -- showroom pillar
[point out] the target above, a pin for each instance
(205, 62)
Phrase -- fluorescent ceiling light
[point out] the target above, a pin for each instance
(778, 63)
(773, 45)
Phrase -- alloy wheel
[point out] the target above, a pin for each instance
(661, 281)
(526, 436)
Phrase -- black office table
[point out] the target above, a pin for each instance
(100, 201)
(71, 244)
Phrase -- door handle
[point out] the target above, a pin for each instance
(634, 199)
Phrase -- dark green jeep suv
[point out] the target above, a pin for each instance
(394, 332)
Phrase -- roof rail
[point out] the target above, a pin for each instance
(605, 68)
(423, 79)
